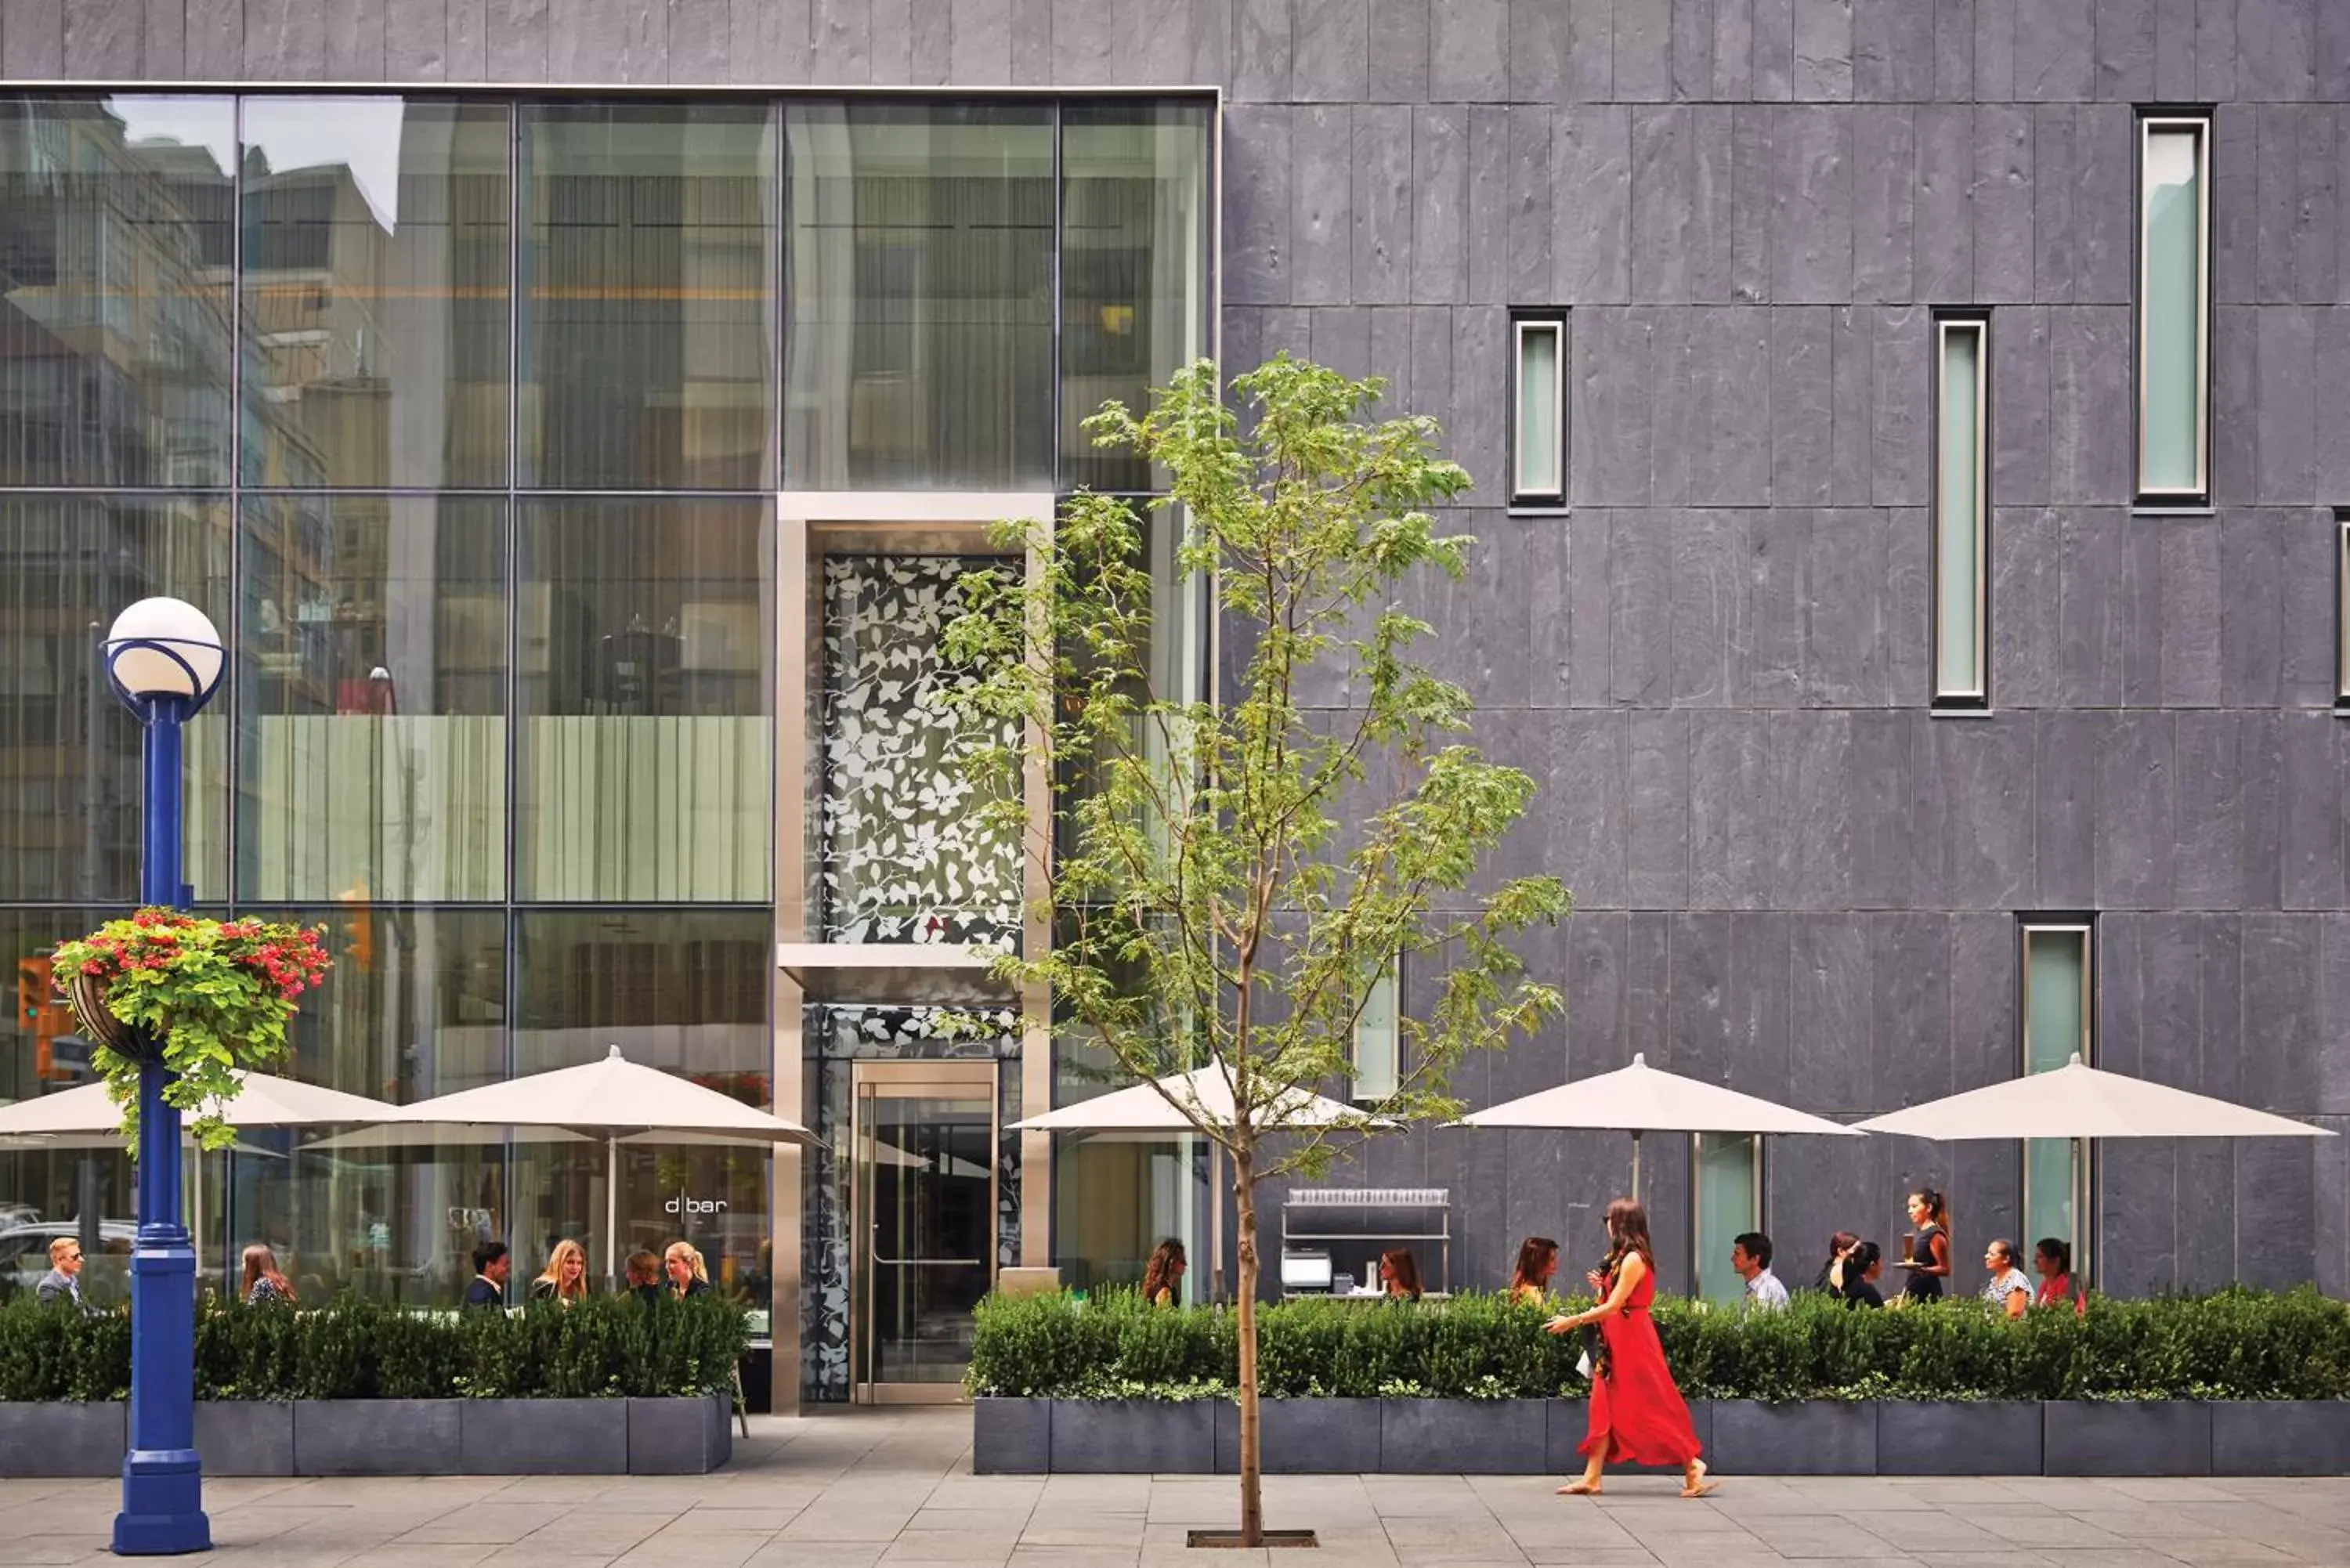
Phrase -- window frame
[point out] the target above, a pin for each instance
(1524, 321)
(1393, 979)
(2151, 118)
(2342, 610)
(1949, 321)
(2082, 924)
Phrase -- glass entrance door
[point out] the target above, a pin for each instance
(922, 1225)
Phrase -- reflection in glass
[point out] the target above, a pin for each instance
(1134, 267)
(373, 673)
(646, 695)
(414, 1007)
(2056, 1028)
(2172, 245)
(920, 271)
(1959, 470)
(685, 991)
(1114, 1201)
(46, 1190)
(115, 250)
(374, 276)
(69, 790)
(926, 1195)
(1729, 1204)
(647, 269)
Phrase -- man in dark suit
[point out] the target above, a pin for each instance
(63, 1281)
(491, 1267)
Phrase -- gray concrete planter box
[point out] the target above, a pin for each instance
(1801, 1438)
(376, 1437)
(245, 1437)
(1012, 1437)
(543, 1436)
(1741, 1436)
(1954, 1438)
(390, 1436)
(1463, 1437)
(1570, 1422)
(2304, 1438)
(680, 1436)
(1305, 1436)
(2143, 1438)
(62, 1439)
(1133, 1437)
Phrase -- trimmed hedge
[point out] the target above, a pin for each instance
(2236, 1345)
(606, 1346)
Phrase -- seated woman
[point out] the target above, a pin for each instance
(643, 1273)
(1400, 1275)
(564, 1277)
(1852, 1278)
(2053, 1260)
(2009, 1292)
(1537, 1262)
(264, 1286)
(1162, 1277)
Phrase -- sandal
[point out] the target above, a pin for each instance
(1700, 1486)
(1579, 1489)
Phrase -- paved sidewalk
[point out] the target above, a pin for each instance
(878, 1487)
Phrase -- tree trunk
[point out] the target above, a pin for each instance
(1252, 1434)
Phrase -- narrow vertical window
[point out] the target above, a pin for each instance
(1961, 507)
(1379, 1042)
(2059, 1026)
(1538, 400)
(2342, 610)
(2173, 308)
(1726, 1202)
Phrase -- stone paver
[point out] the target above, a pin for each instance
(865, 1489)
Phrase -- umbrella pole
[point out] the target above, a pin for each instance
(1636, 1164)
(612, 1209)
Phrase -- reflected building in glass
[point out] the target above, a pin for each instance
(584, 487)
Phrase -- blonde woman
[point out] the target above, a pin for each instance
(564, 1277)
(688, 1276)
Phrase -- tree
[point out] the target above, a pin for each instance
(1232, 880)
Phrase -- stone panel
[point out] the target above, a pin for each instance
(1803, 390)
(1893, 51)
(1591, 176)
(1811, 251)
(2025, 550)
(1469, 51)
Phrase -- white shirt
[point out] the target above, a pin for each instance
(1765, 1291)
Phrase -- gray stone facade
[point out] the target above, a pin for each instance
(1790, 876)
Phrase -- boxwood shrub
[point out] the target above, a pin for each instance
(604, 1346)
(2236, 1345)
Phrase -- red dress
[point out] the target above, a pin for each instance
(1636, 1414)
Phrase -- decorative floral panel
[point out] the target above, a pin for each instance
(901, 853)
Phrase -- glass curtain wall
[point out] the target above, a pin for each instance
(463, 418)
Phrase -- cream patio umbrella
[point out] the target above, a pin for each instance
(2078, 1101)
(1644, 1099)
(1151, 1107)
(86, 1117)
(615, 1099)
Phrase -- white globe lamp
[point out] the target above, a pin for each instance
(164, 650)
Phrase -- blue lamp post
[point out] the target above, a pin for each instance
(164, 660)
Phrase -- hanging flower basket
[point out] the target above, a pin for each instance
(86, 994)
(203, 997)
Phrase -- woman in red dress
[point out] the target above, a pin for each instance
(1637, 1414)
